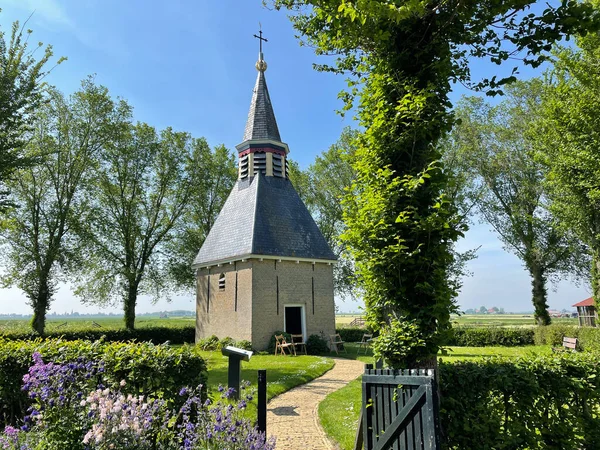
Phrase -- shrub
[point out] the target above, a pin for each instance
(225, 342)
(531, 402)
(209, 344)
(271, 347)
(156, 335)
(491, 337)
(316, 345)
(72, 409)
(146, 368)
(588, 337)
(354, 334)
(246, 345)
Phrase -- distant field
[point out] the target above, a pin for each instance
(342, 320)
(104, 322)
(505, 320)
(478, 320)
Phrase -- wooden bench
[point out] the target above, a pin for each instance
(281, 344)
(567, 344)
(298, 341)
(336, 343)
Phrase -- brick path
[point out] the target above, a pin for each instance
(293, 416)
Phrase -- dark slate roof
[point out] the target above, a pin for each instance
(264, 216)
(261, 122)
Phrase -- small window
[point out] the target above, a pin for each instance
(222, 282)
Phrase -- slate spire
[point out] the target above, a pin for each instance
(261, 122)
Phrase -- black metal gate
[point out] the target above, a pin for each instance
(399, 410)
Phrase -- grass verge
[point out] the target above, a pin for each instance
(339, 411)
(283, 373)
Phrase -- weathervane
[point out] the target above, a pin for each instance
(261, 65)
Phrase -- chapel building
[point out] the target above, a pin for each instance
(264, 266)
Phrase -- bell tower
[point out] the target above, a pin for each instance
(262, 150)
(264, 266)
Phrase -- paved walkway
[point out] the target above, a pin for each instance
(293, 416)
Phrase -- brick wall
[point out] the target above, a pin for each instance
(224, 316)
(295, 283)
(264, 288)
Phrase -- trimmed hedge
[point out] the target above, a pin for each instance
(155, 370)
(155, 335)
(588, 337)
(491, 337)
(535, 403)
(353, 334)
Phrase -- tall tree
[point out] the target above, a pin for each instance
(215, 175)
(401, 56)
(322, 187)
(506, 184)
(21, 93)
(38, 241)
(139, 192)
(568, 142)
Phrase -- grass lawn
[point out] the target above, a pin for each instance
(283, 372)
(339, 411)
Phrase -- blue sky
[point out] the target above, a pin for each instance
(190, 65)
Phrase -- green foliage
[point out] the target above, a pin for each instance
(568, 139)
(213, 343)
(244, 344)
(588, 338)
(401, 57)
(492, 336)
(491, 150)
(210, 343)
(351, 334)
(226, 341)
(156, 370)
(400, 343)
(155, 335)
(271, 347)
(137, 196)
(316, 345)
(536, 403)
(21, 93)
(39, 245)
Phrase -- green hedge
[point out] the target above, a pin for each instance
(156, 335)
(354, 334)
(156, 370)
(588, 337)
(534, 403)
(491, 336)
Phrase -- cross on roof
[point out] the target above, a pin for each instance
(260, 38)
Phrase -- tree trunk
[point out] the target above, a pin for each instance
(40, 307)
(595, 278)
(129, 302)
(539, 294)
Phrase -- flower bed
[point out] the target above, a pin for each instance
(75, 405)
(146, 368)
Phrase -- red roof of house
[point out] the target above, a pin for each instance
(586, 302)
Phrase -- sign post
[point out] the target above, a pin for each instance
(234, 371)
